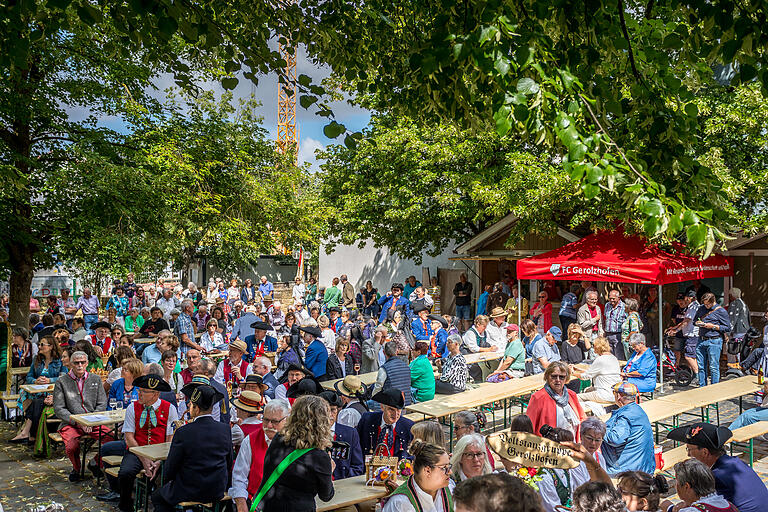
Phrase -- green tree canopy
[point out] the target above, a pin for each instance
(608, 87)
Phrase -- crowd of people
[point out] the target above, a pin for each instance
(232, 377)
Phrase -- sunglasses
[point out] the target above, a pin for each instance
(556, 376)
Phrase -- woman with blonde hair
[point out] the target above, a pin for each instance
(339, 364)
(428, 487)
(329, 337)
(308, 430)
(429, 432)
(604, 372)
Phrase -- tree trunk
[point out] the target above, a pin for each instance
(20, 291)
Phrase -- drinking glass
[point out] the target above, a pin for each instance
(112, 404)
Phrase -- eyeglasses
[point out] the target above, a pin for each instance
(79, 362)
(269, 421)
(445, 468)
(593, 439)
(542, 296)
(470, 455)
(557, 376)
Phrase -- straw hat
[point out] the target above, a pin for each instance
(238, 345)
(351, 386)
(496, 312)
(249, 401)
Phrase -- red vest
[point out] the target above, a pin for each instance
(290, 400)
(149, 434)
(228, 370)
(248, 428)
(258, 452)
(107, 346)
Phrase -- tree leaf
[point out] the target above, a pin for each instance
(527, 86)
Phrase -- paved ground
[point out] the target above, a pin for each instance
(26, 482)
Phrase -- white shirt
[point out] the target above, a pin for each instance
(348, 416)
(302, 316)
(497, 336)
(548, 490)
(219, 376)
(580, 474)
(470, 339)
(712, 499)
(241, 469)
(237, 432)
(299, 290)
(401, 503)
(280, 391)
(130, 421)
(166, 305)
(329, 340)
(604, 373)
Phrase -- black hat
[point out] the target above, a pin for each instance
(152, 382)
(353, 315)
(197, 380)
(255, 378)
(397, 285)
(204, 397)
(293, 367)
(391, 396)
(332, 398)
(311, 329)
(704, 435)
(438, 318)
(334, 309)
(306, 386)
(101, 325)
(261, 326)
(419, 307)
(680, 295)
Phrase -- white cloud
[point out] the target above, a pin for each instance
(307, 148)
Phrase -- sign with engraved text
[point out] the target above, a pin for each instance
(531, 451)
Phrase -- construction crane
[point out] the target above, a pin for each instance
(287, 135)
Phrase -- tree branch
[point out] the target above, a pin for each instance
(623, 156)
(648, 10)
(629, 42)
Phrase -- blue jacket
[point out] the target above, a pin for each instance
(54, 370)
(646, 365)
(354, 466)
(117, 391)
(739, 484)
(482, 303)
(316, 358)
(368, 430)
(628, 441)
(270, 380)
(419, 332)
(718, 316)
(386, 303)
(270, 345)
(441, 343)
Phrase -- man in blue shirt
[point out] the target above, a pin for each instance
(628, 440)
(316, 355)
(482, 300)
(394, 300)
(545, 350)
(569, 306)
(734, 480)
(267, 289)
(713, 322)
(615, 313)
(421, 325)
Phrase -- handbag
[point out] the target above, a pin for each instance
(290, 459)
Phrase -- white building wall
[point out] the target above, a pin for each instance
(381, 267)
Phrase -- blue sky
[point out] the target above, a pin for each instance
(310, 126)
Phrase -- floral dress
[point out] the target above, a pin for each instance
(631, 324)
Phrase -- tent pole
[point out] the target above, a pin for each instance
(661, 338)
(519, 305)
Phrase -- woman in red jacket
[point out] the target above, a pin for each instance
(555, 405)
(541, 313)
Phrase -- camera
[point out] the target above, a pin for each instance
(548, 431)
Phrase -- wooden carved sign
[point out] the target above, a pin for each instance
(531, 451)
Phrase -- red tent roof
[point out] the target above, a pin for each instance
(614, 256)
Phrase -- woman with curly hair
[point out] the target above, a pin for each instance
(308, 428)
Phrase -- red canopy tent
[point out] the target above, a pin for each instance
(614, 256)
